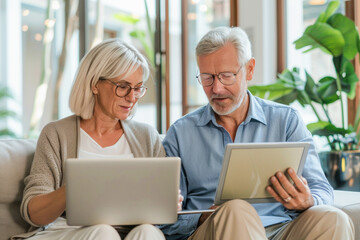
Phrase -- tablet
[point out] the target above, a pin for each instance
(246, 169)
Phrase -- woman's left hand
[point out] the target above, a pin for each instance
(181, 199)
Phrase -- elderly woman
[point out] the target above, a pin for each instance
(109, 82)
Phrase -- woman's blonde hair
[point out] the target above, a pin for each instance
(109, 59)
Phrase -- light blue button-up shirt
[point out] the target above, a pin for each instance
(200, 143)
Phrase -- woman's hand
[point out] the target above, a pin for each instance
(46, 208)
(181, 199)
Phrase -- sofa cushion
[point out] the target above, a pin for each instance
(15, 161)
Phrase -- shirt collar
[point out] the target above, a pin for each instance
(207, 116)
(255, 113)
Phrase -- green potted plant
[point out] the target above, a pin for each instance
(336, 35)
(4, 113)
(145, 37)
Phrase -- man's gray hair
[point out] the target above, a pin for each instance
(109, 59)
(220, 36)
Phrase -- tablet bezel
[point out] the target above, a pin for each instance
(227, 157)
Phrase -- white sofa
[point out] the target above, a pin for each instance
(15, 160)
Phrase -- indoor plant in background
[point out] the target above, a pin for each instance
(5, 113)
(336, 35)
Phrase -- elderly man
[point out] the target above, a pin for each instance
(302, 210)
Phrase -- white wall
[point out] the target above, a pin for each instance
(294, 29)
(258, 19)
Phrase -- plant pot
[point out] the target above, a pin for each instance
(342, 169)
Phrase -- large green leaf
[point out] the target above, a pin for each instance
(7, 132)
(126, 18)
(141, 36)
(311, 89)
(349, 79)
(137, 34)
(286, 77)
(326, 129)
(303, 98)
(7, 113)
(331, 8)
(299, 86)
(259, 91)
(338, 61)
(347, 75)
(271, 91)
(323, 36)
(288, 98)
(358, 45)
(5, 93)
(284, 90)
(327, 90)
(317, 125)
(294, 88)
(349, 32)
(292, 79)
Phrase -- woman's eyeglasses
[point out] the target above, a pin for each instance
(124, 89)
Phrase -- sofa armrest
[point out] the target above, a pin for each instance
(15, 161)
(349, 202)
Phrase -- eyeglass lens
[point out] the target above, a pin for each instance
(226, 78)
(125, 89)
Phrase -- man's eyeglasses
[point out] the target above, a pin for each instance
(226, 78)
(124, 89)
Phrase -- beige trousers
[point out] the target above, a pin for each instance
(319, 222)
(61, 231)
(237, 219)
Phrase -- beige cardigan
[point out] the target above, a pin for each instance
(59, 140)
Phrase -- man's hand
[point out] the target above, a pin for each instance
(205, 215)
(295, 196)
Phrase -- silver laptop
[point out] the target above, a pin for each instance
(247, 167)
(122, 191)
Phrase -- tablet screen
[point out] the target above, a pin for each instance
(248, 167)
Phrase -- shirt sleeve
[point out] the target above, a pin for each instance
(183, 228)
(321, 190)
(186, 224)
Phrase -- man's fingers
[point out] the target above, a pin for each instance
(275, 195)
(299, 182)
(282, 186)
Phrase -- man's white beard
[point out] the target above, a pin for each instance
(232, 109)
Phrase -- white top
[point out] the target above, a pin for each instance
(90, 149)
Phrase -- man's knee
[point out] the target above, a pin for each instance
(333, 216)
(103, 231)
(238, 209)
(146, 231)
(235, 219)
(237, 204)
(331, 213)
